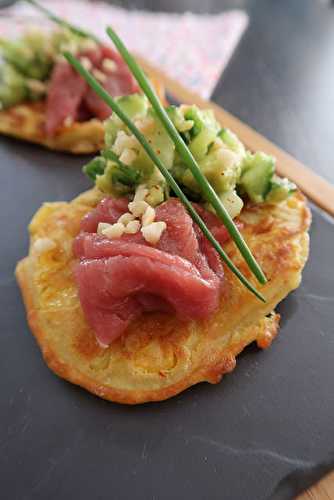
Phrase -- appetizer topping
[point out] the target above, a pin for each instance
(126, 218)
(111, 231)
(128, 156)
(233, 172)
(148, 216)
(36, 59)
(132, 227)
(119, 279)
(101, 77)
(152, 231)
(138, 208)
(86, 62)
(109, 65)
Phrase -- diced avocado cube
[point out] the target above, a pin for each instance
(203, 119)
(23, 57)
(232, 202)
(95, 167)
(231, 140)
(134, 106)
(200, 144)
(280, 189)
(257, 173)
(13, 87)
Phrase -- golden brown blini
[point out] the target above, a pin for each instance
(159, 355)
(26, 121)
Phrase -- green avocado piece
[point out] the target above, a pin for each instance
(95, 167)
(203, 119)
(257, 173)
(280, 189)
(31, 63)
(13, 87)
(231, 140)
(204, 131)
(134, 105)
(160, 142)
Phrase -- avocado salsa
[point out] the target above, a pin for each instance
(233, 172)
(27, 63)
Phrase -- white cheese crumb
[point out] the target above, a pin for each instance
(101, 77)
(114, 231)
(132, 227)
(68, 122)
(102, 226)
(36, 86)
(126, 218)
(109, 65)
(128, 156)
(137, 208)
(227, 157)
(87, 63)
(148, 216)
(42, 245)
(145, 125)
(124, 141)
(140, 193)
(153, 232)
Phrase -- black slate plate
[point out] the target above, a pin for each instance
(272, 417)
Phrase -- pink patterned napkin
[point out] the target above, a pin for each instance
(193, 49)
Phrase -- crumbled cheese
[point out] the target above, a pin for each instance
(141, 193)
(102, 226)
(153, 232)
(87, 63)
(126, 218)
(132, 227)
(148, 216)
(36, 86)
(124, 141)
(114, 231)
(68, 122)
(137, 208)
(88, 44)
(145, 125)
(128, 156)
(101, 77)
(42, 245)
(227, 157)
(109, 65)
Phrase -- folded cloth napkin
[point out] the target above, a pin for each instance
(193, 49)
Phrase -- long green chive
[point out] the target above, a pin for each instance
(58, 20)
(181, 147)
(206, 188)
(101, 92)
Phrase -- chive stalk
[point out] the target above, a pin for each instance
(207, 190)
(58, 20)
(101, 92)
(183, 150)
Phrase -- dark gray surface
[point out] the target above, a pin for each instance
(272, 416)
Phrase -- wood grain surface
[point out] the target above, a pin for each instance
(324, 490)
(315, 187)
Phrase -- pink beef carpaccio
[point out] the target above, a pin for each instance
(120, 279)
(69, 96)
